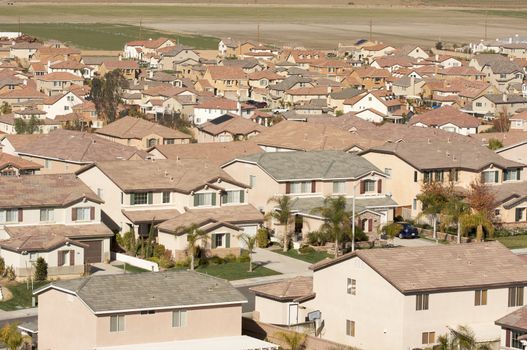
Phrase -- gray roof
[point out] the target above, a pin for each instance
(345, 94)
(289, 82)
(300, 165)
(306, 205)
(498, 99)
(143, 291)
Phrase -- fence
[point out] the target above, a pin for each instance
(270, 332)
(143, 264)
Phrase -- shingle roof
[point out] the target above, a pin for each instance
(137, 128)
(127, 292)
(311, 165)
(428, 273)
(232, 124)
(305, 205)
(289, 290)
(17, 162)
(445, 115)
(78, 147)
(515, 320)
(226, 73)
(57, 190)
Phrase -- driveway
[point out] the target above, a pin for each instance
(419, 242)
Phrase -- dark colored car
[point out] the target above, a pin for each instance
(408, 231)
(257, 104)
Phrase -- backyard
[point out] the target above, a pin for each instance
(312, 256)
(21, 296)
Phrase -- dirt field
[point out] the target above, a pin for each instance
(311, 25)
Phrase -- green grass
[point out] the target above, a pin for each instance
(131, 268)
(22, 296)
(312, 258)
(236, 271)
(103, 36)
(514, 242)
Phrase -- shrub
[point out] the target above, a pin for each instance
(398, 218)
(262, 237)
(165, 261)
(215, 260)
(183, 263)
(41, 270)
(2, 266)
(159, 250)
(10, 273)
(244, 257)
(392, 229)
(305, 249)
(230, 258)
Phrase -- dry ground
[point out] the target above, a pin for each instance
(312, 25)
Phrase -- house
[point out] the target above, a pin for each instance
(519, 121)
(65, 151)
(130, 69)
(141, 133)
(140, 49)
(496, 104)
(56, 217)
(211, 152)
(306, 94)
(459, 162)
(227, 128)
(511, 206)
(415, 52)
(176, 57)
(52, 84)
(229, 82)
(371, 52)
(70, 66)
(227, 48)
(513, 329)
(499, 70)
(158, 190)
(447, 118)
(60, 104)
(15, 166)
(21, 96)
(408, 87)
(316, 175)
(366, 301)
(211, 108)
(162, 310)
(382, 101)
(223, 227)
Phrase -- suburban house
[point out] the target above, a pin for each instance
(223, 227)
(60, 104)
(410, 164)
(139, 49)
(56, 217)
(162, 310)
(447, 118)
(513, 329)
(227, 128)
(211, 108)
(500, 71)
(57, 83)
(229, 82)
(158, 190)
(141, 133)
(314, 176)
(494, 105)
(11, 165)
(519, 121)
(381, 101)
(366, 300)
(65, 151)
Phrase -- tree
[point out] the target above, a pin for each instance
(292, 340)
(11, 336)
(482, 203)
(41, 270)
(495, 144)
(454, 210)
(149, 245)
(502, 123)
(27, 127)
(283, 214)
(434, 197)
(337, 223)
(461, 338)
(5, 108)
(250, 244)
(439, 45)
(106, 93)
(194, 236)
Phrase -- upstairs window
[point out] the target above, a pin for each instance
(166, 197)
(204, 199)
(233, 197)
(47, 215)
(515, 296)
(117, 323)
(339, 187)
(421, 302)
(512, 175)
(351, 286)
(179, 318)
(480, 297)
(490, 177)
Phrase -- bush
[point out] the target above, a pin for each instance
(398, 218)
(41, 270)
(230, 258)
(305, 249)
(392, 229)
(2, 266)
(318, 238)
(360, 235)
(165, 261)
(244, 257)
(215, 260)
(183, 263)
(9, 273)
(262, 237)
(159, 250)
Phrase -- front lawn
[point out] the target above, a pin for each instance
(236, 271)
(131, 268)
(22, 296)
(310, 257)
(514, 242)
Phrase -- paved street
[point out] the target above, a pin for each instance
(413, 242)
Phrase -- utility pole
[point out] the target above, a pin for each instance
(371, 30)
(140, 28)
(486, 23)
(19, 26)
(258, 32)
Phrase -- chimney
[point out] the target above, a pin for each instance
(150, 74)
(505, 97)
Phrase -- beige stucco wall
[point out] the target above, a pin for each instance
(54, 166)
(517, 154)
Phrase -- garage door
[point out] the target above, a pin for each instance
(93, 253)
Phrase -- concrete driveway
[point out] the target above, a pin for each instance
(416, 242)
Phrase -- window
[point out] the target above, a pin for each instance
(515, 296)
(66, 108)
(515, 342)
(350, 328)
(33, 256)
(83, 214)
(503, 76)
(47, 215)
(429, 337)
(351, 286)
(490, 177)
(140, 198)
(480, 297)
(252, 181)
(511, 175)
(415, 176)
(117, 323)
(438, 175)
(204, 199)
(179, 318)
(427, 176)
(454, 175)
(234, 197)
(99, 193)
(166, 197)
(518, 214)
(479, 104)
(148, 312)
(414, 204)
(301, 187)
(388, 171)
(339, 186)
(47, 164)
(9, 215)
(169, 141)
(421, 302)
(152, 142)
(218, 240)
(369, 185)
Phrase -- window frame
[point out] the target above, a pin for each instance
(515, 296)
(339, 187)
(118, 326)
(351, 286)
(83, 210)
(428, 338)
(165, 197)
(179, 318)
(350, 328)
(422, 301)
(48, 217)
(480, 297)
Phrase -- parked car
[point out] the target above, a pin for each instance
(257, 104)
(408, 231)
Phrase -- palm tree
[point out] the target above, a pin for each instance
(461, 338)
(194, 236)
(336, 219)
(293, 340)
(480, 222)
(250, 243)
(283, 214)
(11, 336)
(454, 210)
